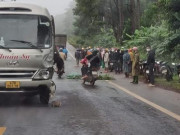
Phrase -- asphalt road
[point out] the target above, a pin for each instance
(100, 110)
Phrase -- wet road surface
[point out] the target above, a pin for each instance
(99, 110)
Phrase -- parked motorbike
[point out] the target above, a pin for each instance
(161, 69)
(141, 67)
(92, 76)
(144, 70)
(176, 69)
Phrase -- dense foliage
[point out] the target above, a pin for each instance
(128, 23)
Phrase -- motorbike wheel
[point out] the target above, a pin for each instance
(146, 76)
(169, 77)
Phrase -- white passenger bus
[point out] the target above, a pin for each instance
(26, 50)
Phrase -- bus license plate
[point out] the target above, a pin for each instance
(12, 84)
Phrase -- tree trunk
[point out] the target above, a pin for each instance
(133, 16)
(116, 2)
(138, 14)
(113, 21)
(121, 20)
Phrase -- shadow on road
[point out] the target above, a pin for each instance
(14, 101)
(89, 87)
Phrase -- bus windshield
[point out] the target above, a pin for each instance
(30, 29)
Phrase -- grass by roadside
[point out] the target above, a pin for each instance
(174, 84)
(105, 77)
(163, 83)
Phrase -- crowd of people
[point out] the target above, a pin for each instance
(121, 60)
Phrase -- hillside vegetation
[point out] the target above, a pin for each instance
(128, 23)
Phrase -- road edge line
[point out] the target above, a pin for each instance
(71, 54)
(162, 109)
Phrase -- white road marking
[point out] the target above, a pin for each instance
(71, 54)
(164, 110)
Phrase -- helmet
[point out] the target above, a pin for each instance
(130, 50)
(61, 49)
(135, 48)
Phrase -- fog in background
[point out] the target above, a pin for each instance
(64, 22)
(61, 10)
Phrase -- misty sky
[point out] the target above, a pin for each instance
(54, 6)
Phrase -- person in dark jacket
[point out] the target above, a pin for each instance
(121, 59)
(94, 59)
(126, 61)
(83, 53)
(118, 61)
(150, 63)
(90, 63)
(77, 56)
(58, 61)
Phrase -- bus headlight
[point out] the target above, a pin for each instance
(49, 60)
(42, 74)
(45, 74)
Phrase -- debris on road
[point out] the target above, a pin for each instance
(74, 76)
(56, 103)
(100, 77)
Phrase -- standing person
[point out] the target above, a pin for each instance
(121, 59)
(112, 59)
(63, 56)
(110, 55)
(77, 56)
(106, 60)
(126, 61)
(118, 61)
(150, 63)
(135, 66)
(99, 55)
(102, 57)
(132, 57)
(83, 53)
(65, 51)
(84, 68)
(94, 60)
(58, 61)
(89, 52)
